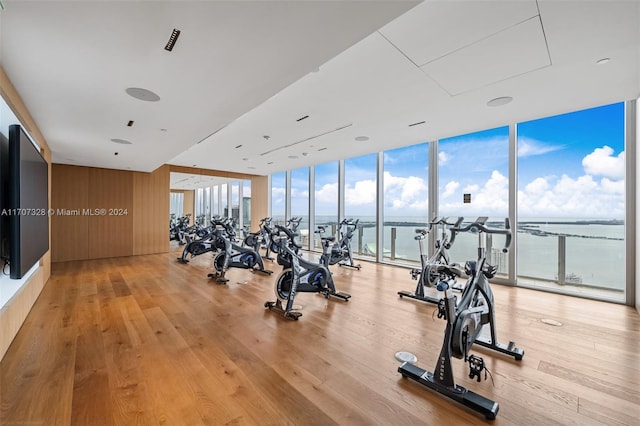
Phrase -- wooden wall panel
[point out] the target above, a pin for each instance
(14, 312)
(111, 232)
(151, 211)
(69, 194)
(259, 207)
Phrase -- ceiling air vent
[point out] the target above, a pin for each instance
(172, 40)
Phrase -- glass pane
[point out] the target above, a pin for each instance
(278, 196)
(216, 207)
(246, 203)
(235, 201)
(326, 197)
(177, 203)
(360, 180)
(300, 202)
(224, 211)
(571, 202)
(474, 182)
(406, 201)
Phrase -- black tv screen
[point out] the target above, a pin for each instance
(28, 204)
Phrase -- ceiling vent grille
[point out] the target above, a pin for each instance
(172, 40)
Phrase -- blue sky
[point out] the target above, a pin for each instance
(570, 165)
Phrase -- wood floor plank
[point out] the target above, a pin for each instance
(146, 340)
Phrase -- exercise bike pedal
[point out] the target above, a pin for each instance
(340, 295)
(181, 260)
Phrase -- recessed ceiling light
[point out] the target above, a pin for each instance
(417, 124)
(293, 157)
(130, 123)
(304, 154)
(194, 165)
(142, 94)
(121, 141)
(503, 100)
(245, 159)
(163, 130)
(603, 61)
(270, 162)
(115, 153)
(266, 137)
(238, 146)
(362, 138)
(302, 118)
(322, 149)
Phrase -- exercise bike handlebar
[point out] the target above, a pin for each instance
(290, 235)
(479, 226)
(452, 231)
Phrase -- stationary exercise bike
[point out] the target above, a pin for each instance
(212, 241)
(465, 322)
(262, 238)
(339, 252)
(430, 273)
(299, 275)
(235, 256)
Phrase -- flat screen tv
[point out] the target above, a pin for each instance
(28, 203)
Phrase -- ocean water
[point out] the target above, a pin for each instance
(595, 252)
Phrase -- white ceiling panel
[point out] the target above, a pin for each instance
(515, 51)
(72, 61)
(437, 28)
(244, 70)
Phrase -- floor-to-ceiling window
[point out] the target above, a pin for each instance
(235, 201)
(300, 202)
(177, 204)
(215, 209)
(326, 198)
(568, 199)
(278, 196)
(571, 202)
(360, 182)
(203, 205)
(406, 201)
(246, 203)
(224, 202)
(473, 182)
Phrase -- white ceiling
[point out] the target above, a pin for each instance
(244, 70)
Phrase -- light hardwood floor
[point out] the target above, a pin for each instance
(145, 340)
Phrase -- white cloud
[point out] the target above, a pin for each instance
(443, 158)
(406, 193)
(537, 186)
(572, 197)
(450, 188)
(363, 192)
(489, 199)
(530, 147)
(601, 162)
(328, 193)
